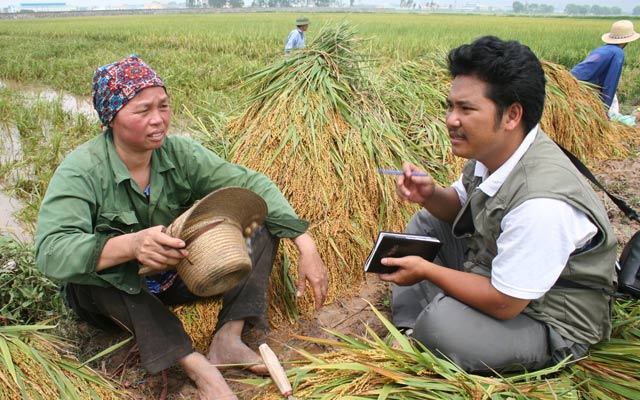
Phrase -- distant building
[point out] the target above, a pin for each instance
(40, 7)
(153, 6)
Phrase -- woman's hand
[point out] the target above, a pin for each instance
(156, 249)
(152, 247)
(311, 268)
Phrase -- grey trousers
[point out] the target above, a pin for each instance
(474, 341)
(159, 334)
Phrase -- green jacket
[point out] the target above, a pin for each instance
(91, 198)
(580, 315)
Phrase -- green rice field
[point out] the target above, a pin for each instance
(204, 59)
(203, 56)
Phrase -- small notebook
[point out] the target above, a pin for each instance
(391, 244)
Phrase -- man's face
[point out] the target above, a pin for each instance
(471, 121)
(141, 125)
(303, 28)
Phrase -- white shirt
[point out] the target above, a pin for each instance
(537, 236)
(295, 40)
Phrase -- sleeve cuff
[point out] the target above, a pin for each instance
(286, 228)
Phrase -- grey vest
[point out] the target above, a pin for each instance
(580, 315)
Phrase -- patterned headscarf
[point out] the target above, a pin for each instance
(116, 83)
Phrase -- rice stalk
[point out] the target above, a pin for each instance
(37, 365)
(369, 368)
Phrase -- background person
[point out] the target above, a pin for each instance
(104, 213)
(295, 40)
(520, 217)
(603, 66)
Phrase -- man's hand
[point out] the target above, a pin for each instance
(417, 189)
(311, 268)
(410, 270)
(472, 289)
(442, 203)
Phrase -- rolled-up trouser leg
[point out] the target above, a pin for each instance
(249, 300)
(409, 301)
(159, 333)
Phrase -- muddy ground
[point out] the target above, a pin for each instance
(345, 315)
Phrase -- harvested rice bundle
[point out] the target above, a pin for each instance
(575, 117)
(316, 126)
(415, 93)
(199, 320)
(319, 127)
(38, 365)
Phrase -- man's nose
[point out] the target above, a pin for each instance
(451, 119)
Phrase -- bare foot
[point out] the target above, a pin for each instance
(210, 383)
(228, 348)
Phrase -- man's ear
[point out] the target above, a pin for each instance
(512, 116)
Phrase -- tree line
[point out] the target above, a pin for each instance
(574, 9)
(571, 9)
(517, 6)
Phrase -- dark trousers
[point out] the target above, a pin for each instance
(160, 335)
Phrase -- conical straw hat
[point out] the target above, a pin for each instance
(215, 230)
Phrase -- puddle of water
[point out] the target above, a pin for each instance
(10, 145)
(8, 224)
(70, 103)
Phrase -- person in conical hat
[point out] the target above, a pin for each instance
(603, 66)
(124, 201)
(295, 40)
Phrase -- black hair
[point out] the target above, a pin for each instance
(512, 71)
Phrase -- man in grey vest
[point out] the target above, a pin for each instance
(519, 229)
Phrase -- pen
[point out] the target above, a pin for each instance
(396, 172)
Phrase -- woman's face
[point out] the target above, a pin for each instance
(142, 124)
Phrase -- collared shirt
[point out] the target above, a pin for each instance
(295, 40)
(92, 198)
(521, 268)
(602, 67)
